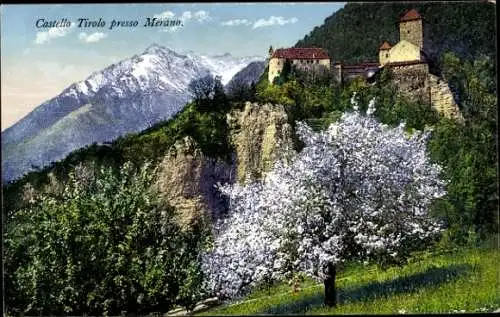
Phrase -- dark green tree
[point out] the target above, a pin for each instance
(108, 245)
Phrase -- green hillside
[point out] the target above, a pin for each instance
(94, 240)
(207, 128)
(354, 34)
(441, 282)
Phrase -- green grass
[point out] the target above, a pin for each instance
(461, 280)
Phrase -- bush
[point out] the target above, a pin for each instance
(107, 245)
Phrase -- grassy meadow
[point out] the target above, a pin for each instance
(449, 281)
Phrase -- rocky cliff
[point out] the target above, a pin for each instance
(260, 135)
(417, 84)
(187, 180)
(442, 98)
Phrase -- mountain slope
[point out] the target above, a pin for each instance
(125, 97)
(248, 75)
(354, 34)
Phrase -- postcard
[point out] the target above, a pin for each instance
(249, 158)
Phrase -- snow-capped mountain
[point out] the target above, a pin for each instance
(226, 65)
(125, 97)
(248, 75)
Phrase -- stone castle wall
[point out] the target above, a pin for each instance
(404, 51)
(411, 81)
(275, 67)
(310, 64)
(383, 56)
(417, 84)
(411, 31)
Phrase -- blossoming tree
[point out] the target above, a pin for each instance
(359, 190)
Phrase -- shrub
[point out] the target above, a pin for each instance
(105, 246)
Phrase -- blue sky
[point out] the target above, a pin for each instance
(38, 63)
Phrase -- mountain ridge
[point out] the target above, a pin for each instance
(129, 95)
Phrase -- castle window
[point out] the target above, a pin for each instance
(408, 31)
(387, 55)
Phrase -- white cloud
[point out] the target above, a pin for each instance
(236, 22)
(202, 16)
(92, 38)
(199, 16)
(46, 36)
(186, 15)
(273, 20)
(165, 15)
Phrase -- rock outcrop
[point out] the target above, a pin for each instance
(261, 135)
(187, 178)
(417, 84)
(442, 98)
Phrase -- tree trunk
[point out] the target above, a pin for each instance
(330, 289)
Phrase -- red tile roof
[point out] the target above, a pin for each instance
(301, 53)
(385, 46)
(411, 15)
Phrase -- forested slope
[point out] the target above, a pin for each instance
(354, 34)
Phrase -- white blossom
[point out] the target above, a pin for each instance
(354, 102)
(371, 107)
(358, 185)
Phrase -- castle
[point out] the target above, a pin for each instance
(406, 59)
(302, 58)
(409, 49)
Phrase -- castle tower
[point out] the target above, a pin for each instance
(271, 51)
(383, 53)
(410, 28)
